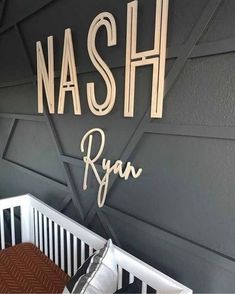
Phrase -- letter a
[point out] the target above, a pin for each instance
(69, 67)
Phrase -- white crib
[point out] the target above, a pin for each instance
(59, 237)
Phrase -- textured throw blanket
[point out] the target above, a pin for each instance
(25, 269)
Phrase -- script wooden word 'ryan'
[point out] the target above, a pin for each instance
(116, 168)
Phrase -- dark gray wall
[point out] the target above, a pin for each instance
(180, 214)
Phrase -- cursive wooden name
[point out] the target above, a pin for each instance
(117, 168)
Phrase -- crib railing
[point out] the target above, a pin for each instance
(17, 209)
(68, 243)
(61, 240)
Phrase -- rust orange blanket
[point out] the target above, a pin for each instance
(25, 269)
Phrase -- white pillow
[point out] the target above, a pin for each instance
(97, 275)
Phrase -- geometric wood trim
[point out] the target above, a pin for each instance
(21, 167)
(37, 175)
(205, 49)
(200, 50)
(214, 48)
(189, 50)
(18, 82)
(8, 137)
(54, 136)
(64, 160)
(31, 117)
(202, 23)
(107, 227)
(6, 27)
(184, 244)
(65, 203)
(2, 10)
(201, 131)
(64, 165)
(24, 47)
(80, 163)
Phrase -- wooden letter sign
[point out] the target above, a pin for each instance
(108, 168)
(155, 57)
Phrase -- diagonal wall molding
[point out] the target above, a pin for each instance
(184, 52)
(188, 246)
(171, 78)
(2, 10)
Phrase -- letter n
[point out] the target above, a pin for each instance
(45, 77)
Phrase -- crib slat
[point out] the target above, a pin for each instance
(36, 226)
(45, 235)
(2, 230)
(50, 240)
(75, 254)
(40, 231)
(13, 241)
(62, 247)
(119, 277)
(144, 288)
(90, 251)
(56, 244)
(131, 278)
(82, 252)
(69, 254)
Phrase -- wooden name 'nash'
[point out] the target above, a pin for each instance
(69, 82)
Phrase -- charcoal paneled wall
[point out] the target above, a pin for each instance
(179, 216)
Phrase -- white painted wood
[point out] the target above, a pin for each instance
(62, 248)
(69, 68)
(40, 231)
(69, 266)
(82, 252)
(136, 267)
(45, 235)
(45, 77)
(75, 254)
(56, 244)
(27, 219)
(36, 227)
(119, 277)
(90, 251)
(146, 273)
(50, 240)
(131, 278)
(107, 20)
(14, 201)
(144, 288)
(13, 241)
(126, 261)
(2, 230)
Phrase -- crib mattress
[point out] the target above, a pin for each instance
(25, 269)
